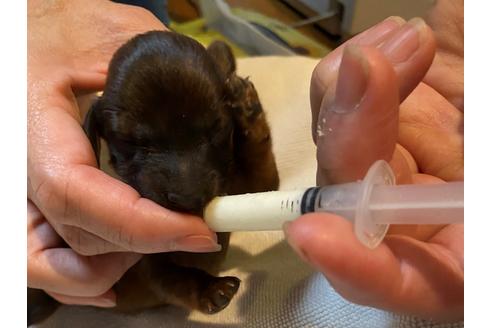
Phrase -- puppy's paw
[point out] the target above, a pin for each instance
(245, 103)
(218, 294)
(249, 116)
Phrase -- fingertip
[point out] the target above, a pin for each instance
(197, 244)
(411, 50)
(325, 72)
(403, 165)
(425, 32)
(316, 238)
(108, 299)
(105, 300)
(104, 303)
(327, 242)
(173, 231)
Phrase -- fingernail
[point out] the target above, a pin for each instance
(300, 252)
(401, 46)
(352, 80)
(106, 302)
(397, 19)
(197, 243)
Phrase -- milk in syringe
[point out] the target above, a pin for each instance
(372, 205)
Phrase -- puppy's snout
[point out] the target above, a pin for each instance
(187, 203)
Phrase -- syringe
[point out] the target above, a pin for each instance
(372, 205)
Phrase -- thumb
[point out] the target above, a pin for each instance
(361, 275)
(360, 124)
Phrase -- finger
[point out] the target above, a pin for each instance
(360, 125)
(62, 271)
(411, 277)
(407, 158)
(88, 81)
(410, 49)
(326, 71)
(433, 275)
(328, 243)
(403, 165)
(107, 299)
(115, 212)
(40, 233)
(85, 243)
(42, 240)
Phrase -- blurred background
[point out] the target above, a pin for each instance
(278, 27)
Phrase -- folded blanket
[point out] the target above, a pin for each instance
(278, 289)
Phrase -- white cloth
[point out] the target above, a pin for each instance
(277, 289)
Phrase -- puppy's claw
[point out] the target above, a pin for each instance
(219, 294)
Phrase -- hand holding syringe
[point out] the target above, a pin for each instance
(372, 205)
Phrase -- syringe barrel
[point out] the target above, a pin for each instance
(254, 212)
(339, 199)
(418, 204)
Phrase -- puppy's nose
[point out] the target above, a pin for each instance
(185, 203)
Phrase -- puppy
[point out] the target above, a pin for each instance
(181, 128)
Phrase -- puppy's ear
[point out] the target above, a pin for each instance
(91, 127)
(223, 57)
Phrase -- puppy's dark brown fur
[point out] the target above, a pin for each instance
(181, 128)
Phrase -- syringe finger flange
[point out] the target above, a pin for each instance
(367, 231)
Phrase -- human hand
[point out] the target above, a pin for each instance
(357, 119)
(70, 44)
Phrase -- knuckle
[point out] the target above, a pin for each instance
(75, 238)
(142, 16)
(44, 190)
(86, 244)
(124, 238)
(50, 194)
(139, 13)
(135, 18)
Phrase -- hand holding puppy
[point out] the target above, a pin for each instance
(70, 201)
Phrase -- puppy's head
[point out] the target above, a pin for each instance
(164, 117)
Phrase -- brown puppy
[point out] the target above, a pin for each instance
(181, 128)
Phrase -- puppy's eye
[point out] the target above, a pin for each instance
(149, 151)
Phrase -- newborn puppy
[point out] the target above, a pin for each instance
(181, 128)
